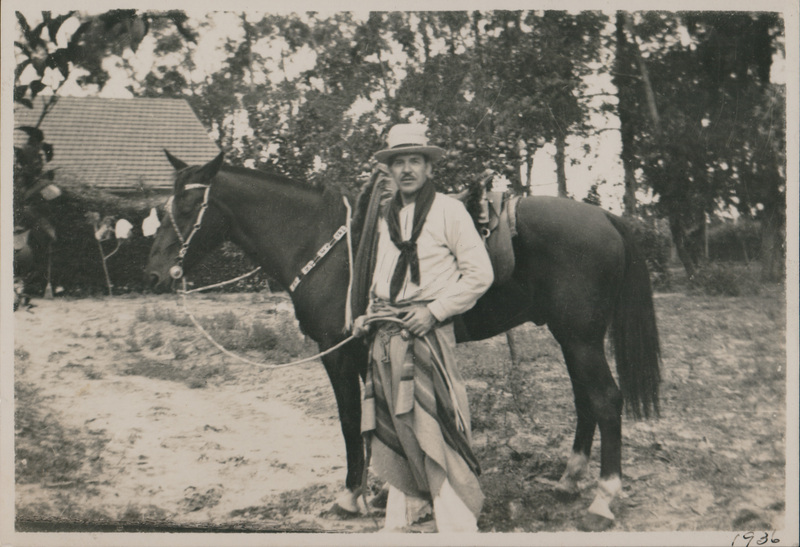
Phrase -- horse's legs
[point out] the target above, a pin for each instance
(343, 373)
(578, 460)
(599, 395)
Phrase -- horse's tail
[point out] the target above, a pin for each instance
(634, 332)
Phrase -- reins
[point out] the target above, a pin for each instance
(245, 360)
(176, 272)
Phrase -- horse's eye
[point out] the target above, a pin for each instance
(184, 207)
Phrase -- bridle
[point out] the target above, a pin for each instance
(176, 272)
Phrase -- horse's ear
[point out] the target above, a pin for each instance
(176, 163)
(210, 170)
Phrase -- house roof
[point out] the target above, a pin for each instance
(118, 144)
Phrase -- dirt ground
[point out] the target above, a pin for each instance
(222, 443)
(125, 414)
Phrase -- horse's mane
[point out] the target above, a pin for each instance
(272, 176)
(187, 173)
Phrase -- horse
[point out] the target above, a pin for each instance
(577, 270)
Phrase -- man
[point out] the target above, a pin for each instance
(431, 264)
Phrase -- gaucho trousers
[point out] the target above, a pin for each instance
(415, 418)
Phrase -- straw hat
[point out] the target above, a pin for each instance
(408, 138)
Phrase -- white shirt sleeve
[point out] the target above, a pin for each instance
(474, 265)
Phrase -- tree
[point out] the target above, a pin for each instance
(709, 92)
(502, 77)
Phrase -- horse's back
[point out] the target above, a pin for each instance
(570, 261)
(568, 231)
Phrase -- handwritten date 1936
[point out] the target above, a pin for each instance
(754, 538)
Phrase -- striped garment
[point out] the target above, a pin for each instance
(418, 427)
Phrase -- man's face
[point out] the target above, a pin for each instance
(410, 172)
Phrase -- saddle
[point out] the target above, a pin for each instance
(498, 232)
(495, 217)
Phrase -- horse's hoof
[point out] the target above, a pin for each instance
(566, 491)
(340, 512)
(379, 501)
(566, 494)
(348, 501)
(594, 523)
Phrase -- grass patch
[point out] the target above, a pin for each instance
(66, 506)
(723, 398)
(281, 340)
(47, 452)
(144, 514)
(147, 314)
(194, 376)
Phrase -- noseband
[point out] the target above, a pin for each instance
(176, 272)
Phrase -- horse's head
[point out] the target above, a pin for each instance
(190, 226)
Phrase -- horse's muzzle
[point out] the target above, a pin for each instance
(154, 282)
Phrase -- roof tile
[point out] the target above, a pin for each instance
(119, 143)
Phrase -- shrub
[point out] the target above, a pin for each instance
(76, 265)
(261, 337)
(734, 242)
(726, 279)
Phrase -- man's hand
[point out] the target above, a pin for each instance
(419, 320)
(360, 326)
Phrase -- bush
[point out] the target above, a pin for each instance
(76, 263)
(726, 279)
(734, 242)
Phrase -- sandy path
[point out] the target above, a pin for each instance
(187, 455)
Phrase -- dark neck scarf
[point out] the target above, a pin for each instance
(408, 249)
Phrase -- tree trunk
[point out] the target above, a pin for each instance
(772, 249)
(561, 173)
(629, 198)
(648, 88)
(626, 107)
(679, 240)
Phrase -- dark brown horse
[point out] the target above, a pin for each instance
(577, 271)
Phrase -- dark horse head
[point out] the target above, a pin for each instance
(189, 227)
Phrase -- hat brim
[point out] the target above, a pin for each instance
(434, 153)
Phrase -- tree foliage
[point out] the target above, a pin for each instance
(718, 140)
(482, 81)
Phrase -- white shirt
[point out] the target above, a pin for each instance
(454, 266)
